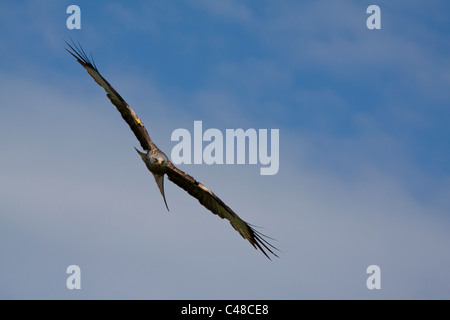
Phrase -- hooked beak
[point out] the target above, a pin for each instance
(158, 162)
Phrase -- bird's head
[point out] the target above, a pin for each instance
(158, 159)
(155, 160)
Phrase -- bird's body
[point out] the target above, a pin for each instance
(156, 161)
(159, 165)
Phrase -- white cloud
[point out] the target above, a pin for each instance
(106, 215)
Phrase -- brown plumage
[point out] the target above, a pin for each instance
(158, 163)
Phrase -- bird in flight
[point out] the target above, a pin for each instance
(159, 165)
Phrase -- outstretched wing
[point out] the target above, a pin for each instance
(210, 201)
(205, 196)
(125, 110)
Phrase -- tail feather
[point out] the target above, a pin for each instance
(159, 178)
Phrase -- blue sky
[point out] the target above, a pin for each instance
(364, 172)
